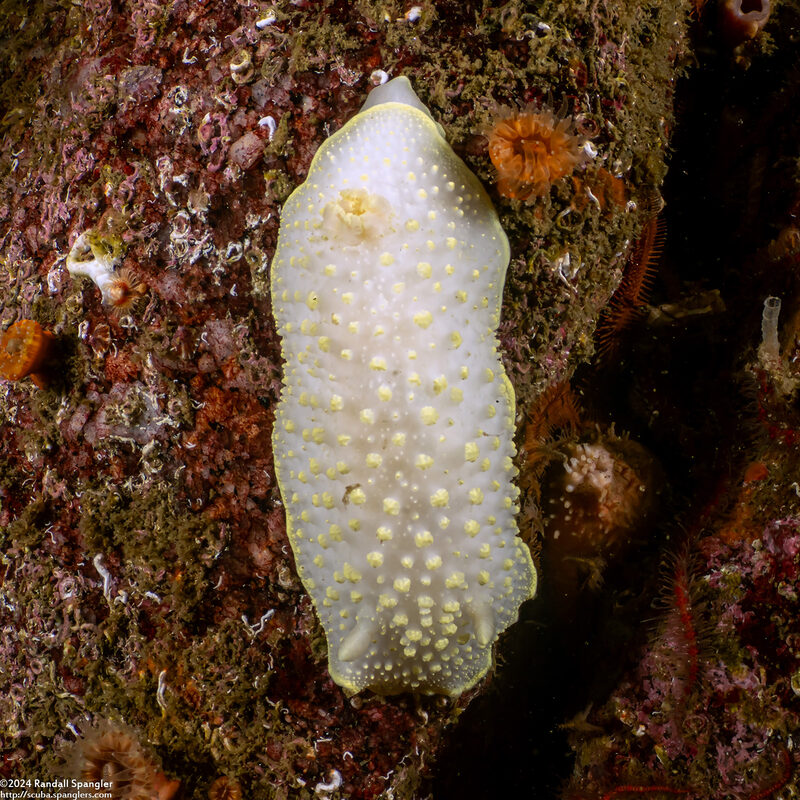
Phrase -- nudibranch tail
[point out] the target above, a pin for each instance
(393, 438)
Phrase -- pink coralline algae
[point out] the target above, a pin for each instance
(711, 707)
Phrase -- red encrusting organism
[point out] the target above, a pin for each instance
(627, 303)
(531, 150)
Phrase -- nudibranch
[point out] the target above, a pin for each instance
(393, 438)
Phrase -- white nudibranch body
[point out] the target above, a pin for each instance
(393, 438)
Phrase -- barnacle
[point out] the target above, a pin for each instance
(111, 754)
(531, 150)
(241, 67)
(97, 252)
(95, 257)
(24, 349)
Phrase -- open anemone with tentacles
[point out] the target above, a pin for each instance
(531, 149)
(110, 756)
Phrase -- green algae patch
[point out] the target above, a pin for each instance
(28, 530)
(131, 636)
(167, 547)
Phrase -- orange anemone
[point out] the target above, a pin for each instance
(531, 150)
(124, 290)
(225, 788)
(24, 349)
(111, 753)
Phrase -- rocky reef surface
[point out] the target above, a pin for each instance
(147, 587)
